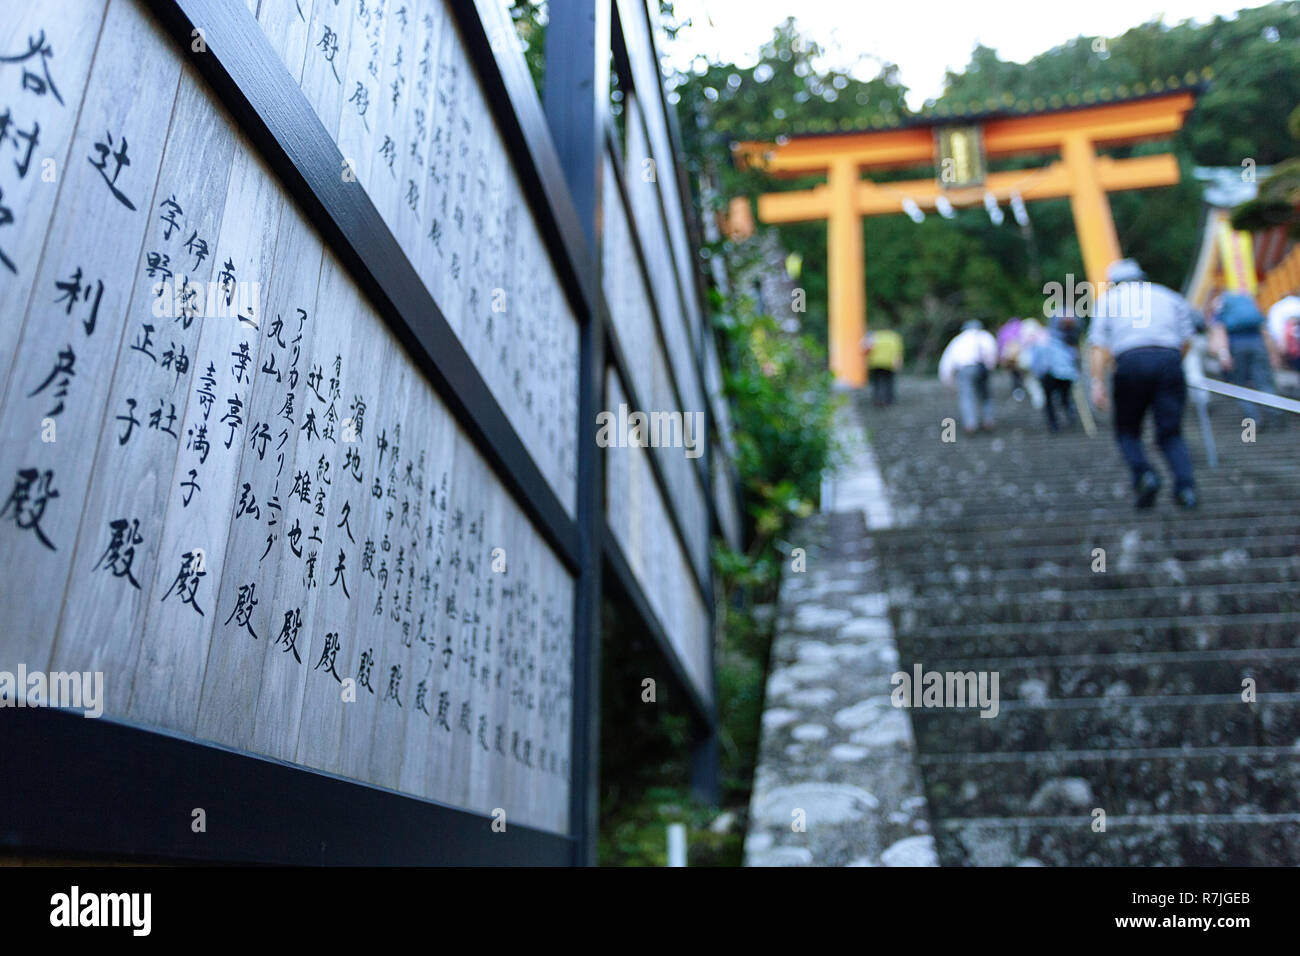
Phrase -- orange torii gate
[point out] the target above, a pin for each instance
(957, 146)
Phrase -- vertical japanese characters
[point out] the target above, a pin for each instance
(224, 481)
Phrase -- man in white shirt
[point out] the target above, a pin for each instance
(1143, 330)
(967, 362)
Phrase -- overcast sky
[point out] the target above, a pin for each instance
(924, 37)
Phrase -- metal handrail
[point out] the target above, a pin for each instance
(1197, 379)
(1246, 394)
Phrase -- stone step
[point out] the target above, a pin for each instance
(1072, 478)
(1221, 720)
(962, 581)
(1013, 457)
(954, 514)
(1033, 439)
(1077, 474)
(931, 556)
(1154, 840)
(936, 607)
(1134, 635)
(1247, 780)
(1107, 530)
(1027, 424)
(1119, 690)
(1065, 676)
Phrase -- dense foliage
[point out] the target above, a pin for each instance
(925, 279)
(781, 406)
(1278, 202)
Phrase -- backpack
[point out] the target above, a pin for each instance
(1238, 313)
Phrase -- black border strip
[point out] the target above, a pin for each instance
(576, 65)
(102, 789)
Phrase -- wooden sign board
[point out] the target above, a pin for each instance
(638, 518)
(959, 156)
(225, 485)
(630, 307)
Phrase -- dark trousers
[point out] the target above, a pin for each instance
(1251, 369)
(1152, 378)
(1056, 391)
(882, 386)
(974, 397)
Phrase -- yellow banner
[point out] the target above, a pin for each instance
(1237, 254)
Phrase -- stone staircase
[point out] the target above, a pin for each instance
(1121, 691)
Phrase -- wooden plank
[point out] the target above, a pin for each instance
(435, 773)
(363, 97)
(501, 783)
(642, 178)
(329, 618)
(156, 373)
(415, 239)
(249, 679)
(447, 222)
(205, 495)
(420, 733)
(288, 27)
(329, 39)
(46, 480)
(628, 297)
(403, 121)
(372, 620)
(47, 49)
(638, 518)
(647, 105)
(317, 312)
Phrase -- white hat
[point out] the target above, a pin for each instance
(1124, 270)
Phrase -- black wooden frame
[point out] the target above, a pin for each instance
(62, 766)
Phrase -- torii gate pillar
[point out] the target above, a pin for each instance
(847, 276)
(1091, 208)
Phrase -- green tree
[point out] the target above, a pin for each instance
(924, 279)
